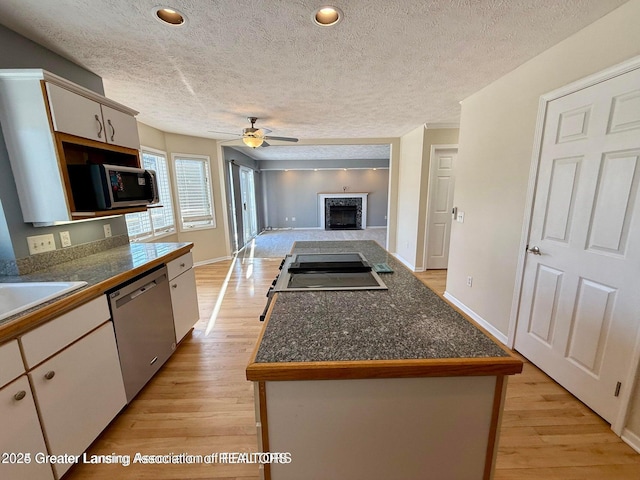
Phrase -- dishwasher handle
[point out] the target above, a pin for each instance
(133, 291)
(141, 290)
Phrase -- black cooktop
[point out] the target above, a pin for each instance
(328, 271)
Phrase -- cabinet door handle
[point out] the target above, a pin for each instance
(175, 285)
(20, 395)
(99, 125)
(182, 265)
(50, 374)
(113, 130)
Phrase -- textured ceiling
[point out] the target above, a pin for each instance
(388, 67)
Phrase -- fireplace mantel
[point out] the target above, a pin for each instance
(324, 195)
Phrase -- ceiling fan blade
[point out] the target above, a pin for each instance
(282, 139)
(264, 131)
(265, 144)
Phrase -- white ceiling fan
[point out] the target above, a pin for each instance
(257, 137)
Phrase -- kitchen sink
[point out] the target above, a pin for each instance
(18, 297)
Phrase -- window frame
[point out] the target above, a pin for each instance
(178, 211)
(153, 235)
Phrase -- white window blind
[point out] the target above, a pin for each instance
(193, 183)
(158, 220)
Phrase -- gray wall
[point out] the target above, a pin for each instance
(295, 194)
(18, 52)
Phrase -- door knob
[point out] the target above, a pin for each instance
(535, 250)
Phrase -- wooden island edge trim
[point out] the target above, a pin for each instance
(346, 370)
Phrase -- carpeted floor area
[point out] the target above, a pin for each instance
(277, 243)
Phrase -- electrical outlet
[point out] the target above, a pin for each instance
(286, 219)
(65, 239)
(107, 230)
(293, 219)
(41, 243)
(469, 281)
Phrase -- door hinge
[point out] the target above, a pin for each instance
(617, 392)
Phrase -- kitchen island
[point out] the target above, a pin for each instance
(377, 384)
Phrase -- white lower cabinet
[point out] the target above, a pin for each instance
(184, 298)
(78, 392)
(184, 301)
(20, 434)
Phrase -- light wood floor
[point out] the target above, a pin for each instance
(200, 403)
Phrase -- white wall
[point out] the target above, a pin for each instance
(496, 142)
(409, 174)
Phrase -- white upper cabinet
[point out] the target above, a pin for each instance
(78, 115)
(75, 114)
(51, 127)
(120, 128)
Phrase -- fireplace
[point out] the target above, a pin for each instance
(343, 212)
(342, 217)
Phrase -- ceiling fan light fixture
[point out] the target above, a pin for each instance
(327, 16)
(169, 16)
(253, 142)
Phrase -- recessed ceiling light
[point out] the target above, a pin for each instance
(169, 16)
(327, 16)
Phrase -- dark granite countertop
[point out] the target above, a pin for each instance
(406, 322)
(99, 270)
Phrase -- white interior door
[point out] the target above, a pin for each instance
(249, 217)
(580, 302)
(440, 203)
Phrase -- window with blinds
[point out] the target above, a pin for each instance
(193, 184)
(158, 220)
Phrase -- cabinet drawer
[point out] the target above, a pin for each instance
(11, 365)
(179, 265)
(42, 342)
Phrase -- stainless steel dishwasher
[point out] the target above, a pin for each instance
(143, 322)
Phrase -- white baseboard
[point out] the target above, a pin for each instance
(210, 261)
(501, 337)
(631, 439)
(407, 264)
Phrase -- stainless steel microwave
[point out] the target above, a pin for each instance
(116, 186)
